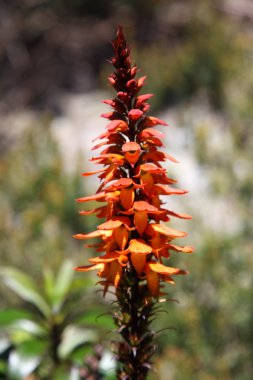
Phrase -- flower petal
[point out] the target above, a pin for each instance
(161, 269)
(127, 197)
(142, 99)
(141, 81)
(121, 236)
(167, 231)
(151, 168)
(151, 132)
(101, 212)
(86, 174)
(145, 206)
(178, 215)
(108, 257)
(147, 181)
(114, 223)
(110, 225)
(135, 114)
(151, 121)
(87, 268)
(117, 126)
(140, 221)
(177, 248)
(138, 261)
(131, 146)
(167, 190)
(121, 183)
(139, 246)
(93, 234)
(153, 283)
(95, 197)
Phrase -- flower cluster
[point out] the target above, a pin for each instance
(133, 236)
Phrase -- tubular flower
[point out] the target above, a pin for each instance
(132, 181)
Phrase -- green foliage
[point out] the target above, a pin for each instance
(46, 334)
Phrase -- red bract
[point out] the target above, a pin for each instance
(133, 237)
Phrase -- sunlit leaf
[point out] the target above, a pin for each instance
(21, 366)
(73, 337)
(27, 326)
(24, 286)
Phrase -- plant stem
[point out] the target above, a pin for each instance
(133, 319)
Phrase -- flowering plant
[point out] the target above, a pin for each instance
(133, 241)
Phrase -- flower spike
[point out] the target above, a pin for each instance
(134, 242)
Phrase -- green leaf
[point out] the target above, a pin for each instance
(8, 316)
(24, 286)
(77, 356)
(58, 289)
(3, 369)
(63, 373)
(49, 281)
(73, 337)
(33, 347)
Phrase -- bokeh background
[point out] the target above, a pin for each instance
(198, 55)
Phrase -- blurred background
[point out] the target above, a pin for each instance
(198, 55)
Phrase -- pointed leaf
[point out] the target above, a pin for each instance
(25, 288)
(64, 278)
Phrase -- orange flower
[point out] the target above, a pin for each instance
(132, 237)
(155, 271)
(131, 151)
